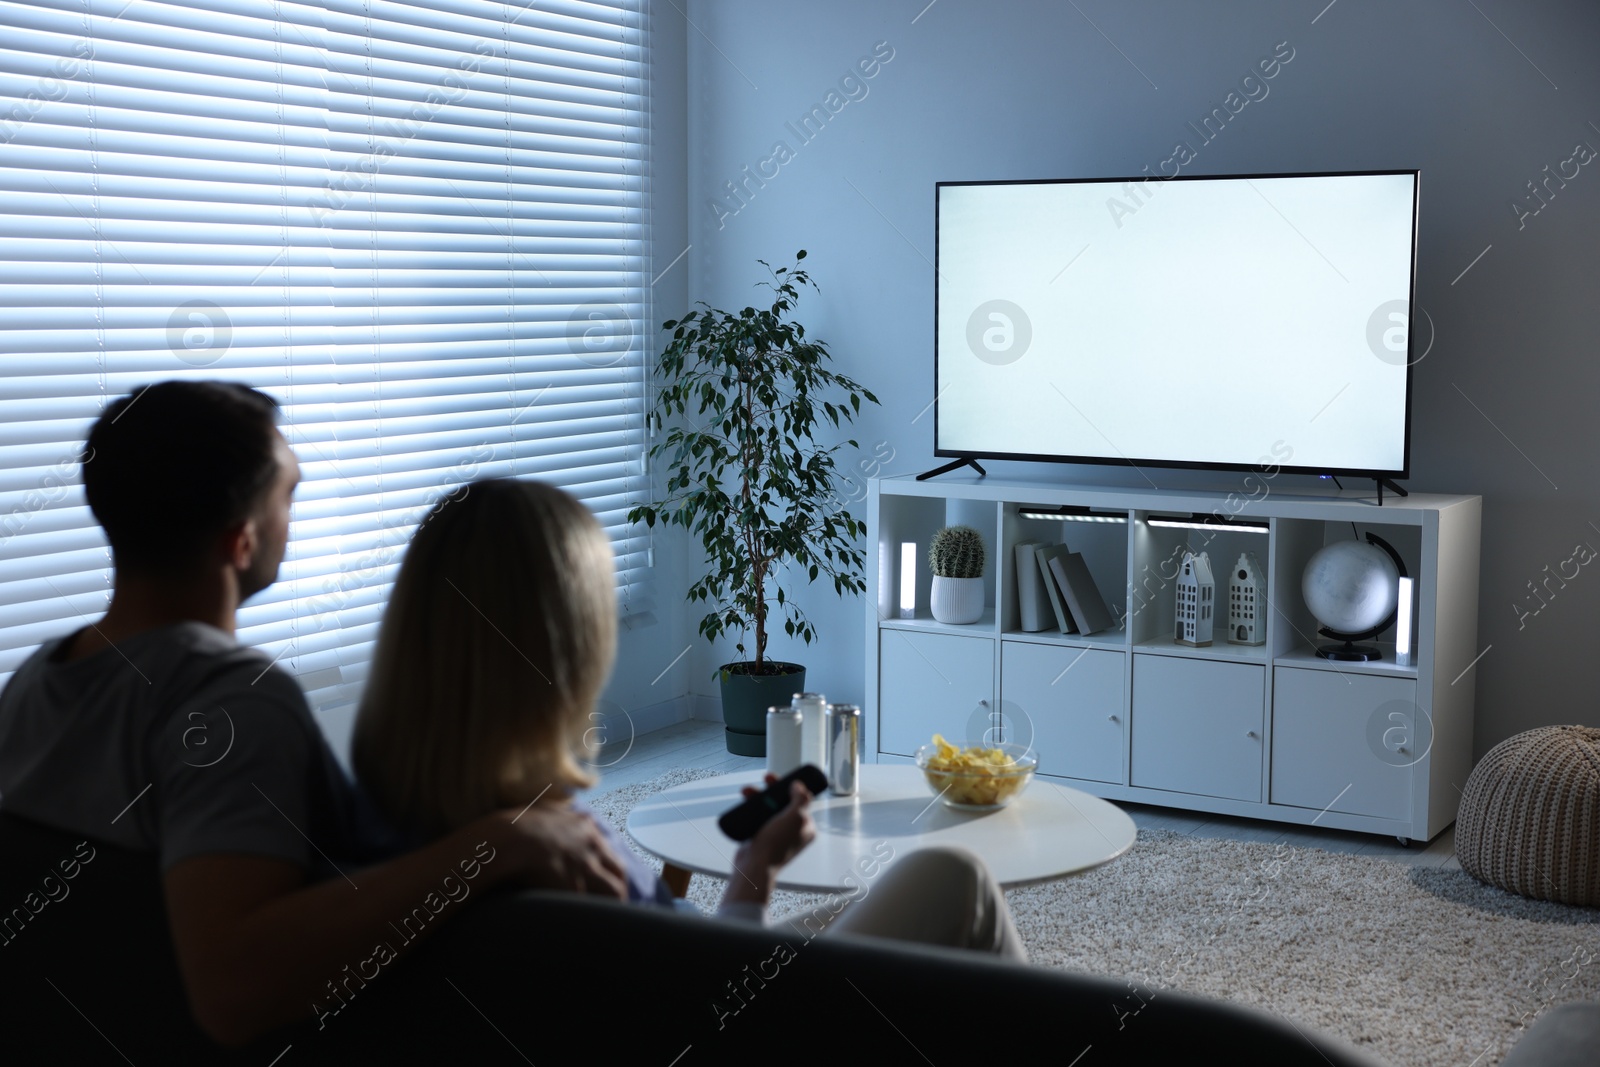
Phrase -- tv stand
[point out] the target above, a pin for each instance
(1269, 731)
(953, 465)
(1392, 485)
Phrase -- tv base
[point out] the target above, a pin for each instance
(955, 464)
(1392, 485)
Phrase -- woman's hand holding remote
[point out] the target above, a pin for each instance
(758, 860)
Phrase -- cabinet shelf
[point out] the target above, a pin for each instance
(1116, 640)
(925, 622)
(1221, 650)
(1386, 667)
(1271, 731)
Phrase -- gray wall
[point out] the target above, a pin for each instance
(1503, 401)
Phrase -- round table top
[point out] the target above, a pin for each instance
(1048, 832)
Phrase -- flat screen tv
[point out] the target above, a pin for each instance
(1226, 323)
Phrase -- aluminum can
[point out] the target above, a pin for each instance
(844, 749)
(813, 709)
(783, 740)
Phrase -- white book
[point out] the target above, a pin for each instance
(1058, 604)
(1033, 601)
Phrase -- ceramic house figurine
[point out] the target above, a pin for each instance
(1196, 601)
(1247, 602)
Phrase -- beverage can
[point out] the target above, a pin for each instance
(813, 709)
(783, 740)
(844, 749)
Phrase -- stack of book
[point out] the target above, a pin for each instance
(1053, 584)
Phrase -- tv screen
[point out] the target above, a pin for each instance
(1218, 322)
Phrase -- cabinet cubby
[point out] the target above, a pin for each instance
(1270, 731)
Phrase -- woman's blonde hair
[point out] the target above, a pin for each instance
(495, 643)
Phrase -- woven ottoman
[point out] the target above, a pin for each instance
(1530, 816)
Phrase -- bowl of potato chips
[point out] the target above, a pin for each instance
(976, 776)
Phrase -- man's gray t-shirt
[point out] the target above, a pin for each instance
(178, 741)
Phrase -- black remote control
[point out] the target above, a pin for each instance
(744, 820)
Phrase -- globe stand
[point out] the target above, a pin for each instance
(1349, 652)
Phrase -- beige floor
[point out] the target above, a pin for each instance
(699, 745)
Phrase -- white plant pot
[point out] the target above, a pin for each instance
(957, 600)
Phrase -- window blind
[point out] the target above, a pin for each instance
(421, 227)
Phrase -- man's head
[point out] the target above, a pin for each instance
(182, 471)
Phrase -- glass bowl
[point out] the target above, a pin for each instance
(982, 776)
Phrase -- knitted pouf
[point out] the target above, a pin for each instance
(1530, 816)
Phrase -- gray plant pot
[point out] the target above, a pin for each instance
(746, 698)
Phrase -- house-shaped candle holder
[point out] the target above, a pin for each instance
(1247, 602)
(1196, 601)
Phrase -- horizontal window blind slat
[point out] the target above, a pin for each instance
(400, 490)
(35, 555)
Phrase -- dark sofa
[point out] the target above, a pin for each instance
(537, 977)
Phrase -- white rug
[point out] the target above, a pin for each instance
(1418, 966)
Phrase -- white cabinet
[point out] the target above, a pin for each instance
(1197, 726)
(1270, 731)
(1327, 727)
(932, 683)
(1068, 704)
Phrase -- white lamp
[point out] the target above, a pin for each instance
(908, 580)
(1402, 626)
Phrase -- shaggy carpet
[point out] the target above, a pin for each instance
(1418, 966)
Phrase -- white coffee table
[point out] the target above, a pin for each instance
(1050, 831)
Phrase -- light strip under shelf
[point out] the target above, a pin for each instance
(1070, 513)
(1206, 522)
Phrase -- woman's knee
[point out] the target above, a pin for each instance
(945, 864)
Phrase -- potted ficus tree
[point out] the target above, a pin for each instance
(955, 559)
(745, 393)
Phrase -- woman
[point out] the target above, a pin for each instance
(496, 642)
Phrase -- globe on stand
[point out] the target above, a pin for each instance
(1352, 587)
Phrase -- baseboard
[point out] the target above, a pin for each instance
(660, 715)
(704, 706)
(618, 727)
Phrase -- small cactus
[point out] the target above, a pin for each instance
(956, 552)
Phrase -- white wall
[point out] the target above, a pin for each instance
(1504, 400)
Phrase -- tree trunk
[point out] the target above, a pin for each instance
(761, 618)
(749, 455)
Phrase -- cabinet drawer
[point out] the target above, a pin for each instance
(932, 683)
(1345, 742)
(1197, 726)
(1071, 700)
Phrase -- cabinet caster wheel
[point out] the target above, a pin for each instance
(1405, 842)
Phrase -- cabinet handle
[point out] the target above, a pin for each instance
(983, 703)
(1250, 733)
(1111, 718)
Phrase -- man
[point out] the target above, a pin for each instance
(154, 730)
